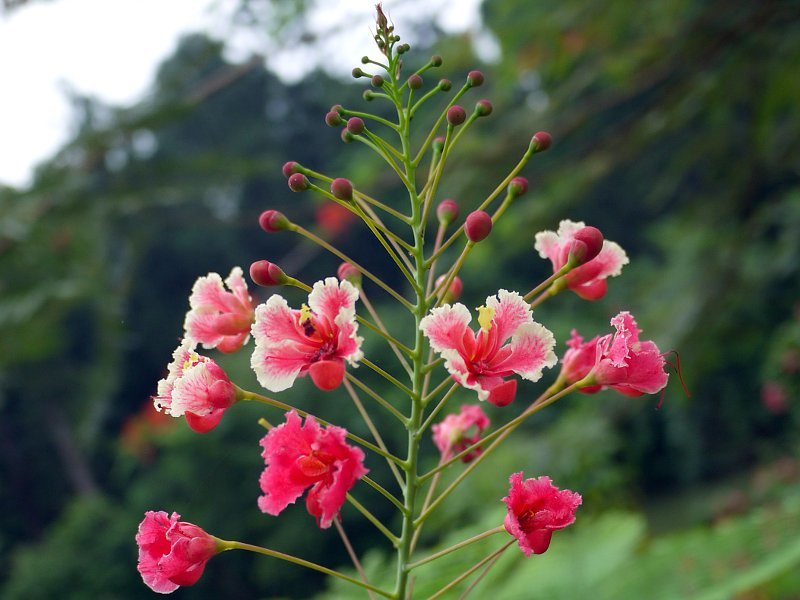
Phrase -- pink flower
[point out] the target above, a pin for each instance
(451, 435)
(302, 456)
(536, 508)
(219, 318)
(619, 361)
(195, 387)
(589, 279)
(316, 339)
(172, 553)
(482, 362)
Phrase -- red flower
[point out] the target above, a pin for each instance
(536, 508)
(172, 553)
(302, 456)
(450, 436)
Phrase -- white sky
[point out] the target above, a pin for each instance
(110, 49)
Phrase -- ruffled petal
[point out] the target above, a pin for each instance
(328, 298)
(510, 312)
(531, 352)
(446, 327)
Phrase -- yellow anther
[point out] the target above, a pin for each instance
(305, 313)
(485, 316)
(191, 360)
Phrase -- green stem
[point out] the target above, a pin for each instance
(353, 556)
(393, 342)
(390, 378)
(539, 288)
(377, 397)
(455, 547)
(438, 407)
(373, 519)
(471, 570)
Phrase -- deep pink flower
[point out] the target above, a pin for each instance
(219, 318)
(536, 508)
(195, 387)
(316, 339)
(172, 553)
(589, 279)
(302, 456)
(482, 362)
(457, 432)
(619, 361)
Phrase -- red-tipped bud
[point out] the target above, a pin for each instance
(298, 182)
(447, 211)
(541, 141)
(347, 272)
(333, 119)
(456, 115)
(355, 125)
(273, 221)
(289, 168)
(517, 187)
(475, 78)
(342, 189)
(337, 108)
(327, 375)
(377, 81)
(453, 293)
(415, 82)
(478, 225)
(357, 72)
(346, 136)
(445, 85)
(592, 239)
(436, 60)
(266, 274)
(438, 144)
(483, 108)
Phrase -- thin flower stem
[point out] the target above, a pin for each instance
(435, 128)
(541, 298)
(425, 504)
(382, 153)
(381, 143)
(436, 390)
(353, 556)
(539, 288)
(393, 342)
(242, 394)
(377, 397)
(371, 426)
(232, 545)
(455, 547)
(429, 189)
(437, 408)
(480, 577)
(424, 98)
(439, 292)
(379, 282)
(430, 366)
(432, 267)
(383, 492)
(373, 519)
(371, 117)
(385, 335)
(390, 378)
(471, 570)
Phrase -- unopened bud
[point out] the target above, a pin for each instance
(347, 272)
(357, 72)
(289, 168)
(364, 59)
(453, 293)
(266, 274)
(346, 136)
(517, 187)
(478, 225)
(456, 115)
(475, 78)
(342, 189)
(337, 108)
(298, 182)
(447, 211)
(402, 48)
(592, 238)
(333, 119)
(541, 141)
(273, 221)
(438, 144)
(483, 108)
(415, 82)
(355, 125)
(368, 95)
(377, 81)
(436, 60)
(445, 85)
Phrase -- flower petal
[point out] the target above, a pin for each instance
(531, 351)
(510, 312)
(446, 327)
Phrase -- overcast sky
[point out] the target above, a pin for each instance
(110, 49)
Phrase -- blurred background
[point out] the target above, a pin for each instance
(676, 128)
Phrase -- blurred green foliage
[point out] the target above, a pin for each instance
(677, 132)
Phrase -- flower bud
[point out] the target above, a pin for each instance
(342, 189)
(298, 182)
(592, 239)
(273, 221)
(289, 168)
(447, 211)
(337, 108)
(475, 78)
(456, 115)
(415, 82)
(346, 136)
(541, 141)
(368, 95)
(402, 48)
(266, 274)
(355, 125)
(445, 85)
(478, 225)
(438, 144)
(453, 293)
(483, 108)
(436, 60)
(364, 59)
(357, 72)
(333, 119)
(377, 81)
(347, 272)
(517, 187)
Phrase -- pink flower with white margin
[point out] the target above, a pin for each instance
(316, 339)
(302, 456)
(219, 318)
(195, 387)
(482, 362)
(589, 279)
(172, 553)
(451, 435)
(618, 361)
(536, 508)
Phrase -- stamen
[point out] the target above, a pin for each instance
(485, 316)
